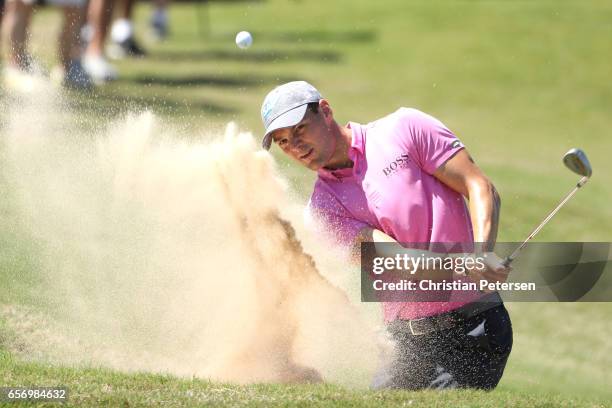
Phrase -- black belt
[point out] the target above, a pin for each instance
(442, 321)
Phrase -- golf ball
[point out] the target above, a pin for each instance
(244, 39)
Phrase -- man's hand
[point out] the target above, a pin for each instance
(494, 270)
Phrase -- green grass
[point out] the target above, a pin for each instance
(519, 82)
(94, 387)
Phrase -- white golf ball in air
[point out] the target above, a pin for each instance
(244, 39)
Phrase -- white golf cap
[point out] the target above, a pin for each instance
(285, 106)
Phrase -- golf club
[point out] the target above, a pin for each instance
(575, 160)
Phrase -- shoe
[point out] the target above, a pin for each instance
(98, 69)
(30, 65)
(128, 48)
(74, 78)
(123, 44)
(77, 78)
(18, 80)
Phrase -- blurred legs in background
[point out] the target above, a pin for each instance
(69, 53)
(123, 39)
(1, 13)
(98, 21)
(123, 42)
(159, 19)
(17, 18)
(77, 69)
(20, 73)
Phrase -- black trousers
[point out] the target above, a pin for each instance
(471, 354)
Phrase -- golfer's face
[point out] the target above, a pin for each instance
(309, 142)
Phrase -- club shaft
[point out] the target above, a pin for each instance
(514, 254)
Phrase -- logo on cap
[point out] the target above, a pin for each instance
(267, 108)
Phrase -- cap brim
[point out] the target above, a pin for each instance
(287, 119)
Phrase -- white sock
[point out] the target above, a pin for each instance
(122, 30)
(86, 33)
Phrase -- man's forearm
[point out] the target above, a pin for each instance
(485, 204)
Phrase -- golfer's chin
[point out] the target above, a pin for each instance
(313, 165)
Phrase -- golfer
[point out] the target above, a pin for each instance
(403, 178)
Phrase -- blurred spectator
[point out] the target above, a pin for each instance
(123, 43)
(98, 21)
(1, 13)
(70, 50)
(21, 72)
(16, 21)
(159, 19)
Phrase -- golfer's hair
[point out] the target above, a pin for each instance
(313, 107)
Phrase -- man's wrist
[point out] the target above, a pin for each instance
(484, 247)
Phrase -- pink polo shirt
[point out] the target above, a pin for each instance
(391, 188)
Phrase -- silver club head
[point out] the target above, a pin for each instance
(576, 160)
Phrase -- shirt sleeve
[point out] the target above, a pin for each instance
(427, 139)
(327, 216)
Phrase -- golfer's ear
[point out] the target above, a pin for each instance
(325, 109)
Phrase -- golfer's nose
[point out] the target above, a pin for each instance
(295, 146)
